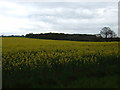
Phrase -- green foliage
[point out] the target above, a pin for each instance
(37, 63)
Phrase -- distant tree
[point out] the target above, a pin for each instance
(112, 34)
(107, 32)
(104, 32)
(22, 35)
(29, 35)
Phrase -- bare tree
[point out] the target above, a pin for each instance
(104, 32)
(107, 32)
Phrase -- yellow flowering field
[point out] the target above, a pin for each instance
(36, 63)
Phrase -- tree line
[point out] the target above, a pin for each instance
(106, 34)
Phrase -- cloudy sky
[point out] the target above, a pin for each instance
(20, 18)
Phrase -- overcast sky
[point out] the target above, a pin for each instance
(64, 17)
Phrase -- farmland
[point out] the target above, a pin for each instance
(39, 63)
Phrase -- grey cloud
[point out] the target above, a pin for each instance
(69, 17)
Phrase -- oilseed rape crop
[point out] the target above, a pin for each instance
(36, 63)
